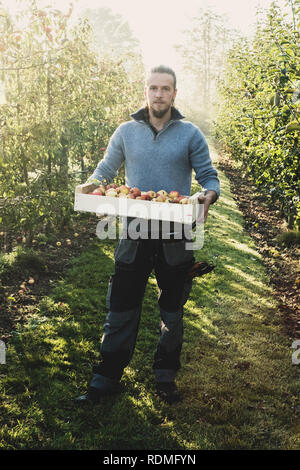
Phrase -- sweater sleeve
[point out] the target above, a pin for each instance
(206, 174)
(107, 168)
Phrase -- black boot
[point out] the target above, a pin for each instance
(100, 387)
(168, 392)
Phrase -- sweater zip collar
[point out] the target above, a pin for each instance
(141, 117)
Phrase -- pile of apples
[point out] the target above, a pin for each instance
(113, 190)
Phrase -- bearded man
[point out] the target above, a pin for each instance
(159, 151)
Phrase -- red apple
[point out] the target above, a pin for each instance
(136, 191)
(101, 188)
(145, 197)
(151, 194)
(174, 194)
(178, 199)
(97, 192)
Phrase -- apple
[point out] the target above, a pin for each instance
(97, 192)
(111, 193)
(184, 201)
(145, 197)
(178, 199)
(131, 196)
(84, 229)
(31, 280)
(124, 189)
(19, 238)
(151, 194)
(136, 191)
(174, 194)
(101, 188)
(114, 186)
(58, 243)
(162, 192)
(159, 198)
(68, 242)
(76, 234)
(120, 194)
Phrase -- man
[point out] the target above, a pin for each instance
(159, 151)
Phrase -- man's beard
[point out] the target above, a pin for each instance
(159, 113)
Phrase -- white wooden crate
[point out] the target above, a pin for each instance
(107, 205)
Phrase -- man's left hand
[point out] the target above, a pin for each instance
(206, 200)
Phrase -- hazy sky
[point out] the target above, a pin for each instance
(158, 23)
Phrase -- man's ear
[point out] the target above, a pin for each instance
(175, 93)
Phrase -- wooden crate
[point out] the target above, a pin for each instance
(107, 205)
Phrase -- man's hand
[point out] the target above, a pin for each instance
(205, 201)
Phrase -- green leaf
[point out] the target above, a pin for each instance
(292, 126)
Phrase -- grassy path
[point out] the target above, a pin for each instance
(240, 387)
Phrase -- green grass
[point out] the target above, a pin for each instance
(240, 387)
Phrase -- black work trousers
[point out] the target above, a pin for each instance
(134, 262)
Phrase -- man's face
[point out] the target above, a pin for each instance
(160, 93)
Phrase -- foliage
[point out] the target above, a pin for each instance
(258, 109)
(289, 238)
(62, 104)
(111, 34)
(202, 53)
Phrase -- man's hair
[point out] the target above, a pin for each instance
(163, 69)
